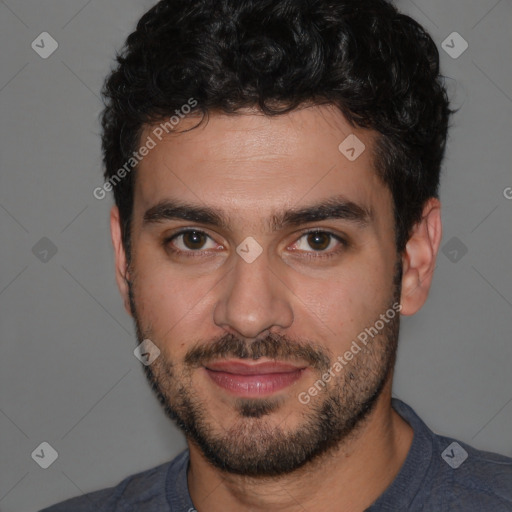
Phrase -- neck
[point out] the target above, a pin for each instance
(350, 477)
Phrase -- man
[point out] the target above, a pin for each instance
(275, 166)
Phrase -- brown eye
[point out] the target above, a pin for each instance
(319, 241)
(194, 239)
(191, 241)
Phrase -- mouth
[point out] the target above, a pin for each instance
(253, 380)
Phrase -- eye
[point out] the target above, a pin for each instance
(318, 241)
(191, 240)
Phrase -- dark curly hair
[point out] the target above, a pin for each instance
(377, 66)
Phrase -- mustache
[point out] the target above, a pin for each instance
(273, 346)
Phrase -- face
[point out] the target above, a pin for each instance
(261, 258)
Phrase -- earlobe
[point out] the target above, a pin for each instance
(122, 275)
(419, 258)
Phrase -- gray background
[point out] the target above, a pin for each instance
(67, 371)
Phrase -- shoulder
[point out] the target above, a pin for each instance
(444, 474)
(471, 479)
(146, 488)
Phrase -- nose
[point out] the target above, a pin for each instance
(254, 301)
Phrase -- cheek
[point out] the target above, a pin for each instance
(347, 301)
(332, 308)
(168, 301)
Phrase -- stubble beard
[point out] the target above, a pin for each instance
(255, 445)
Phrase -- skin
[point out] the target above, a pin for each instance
(251, 166)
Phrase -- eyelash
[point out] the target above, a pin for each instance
(343, 244)
(307, 254)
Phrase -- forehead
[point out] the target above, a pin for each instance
(250, 164)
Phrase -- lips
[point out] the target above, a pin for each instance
(239, 368)
(253, 380)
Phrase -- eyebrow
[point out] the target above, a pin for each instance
(174, 210)
(332, 208)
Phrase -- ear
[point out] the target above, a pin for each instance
(122, 275)
(419, 258)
